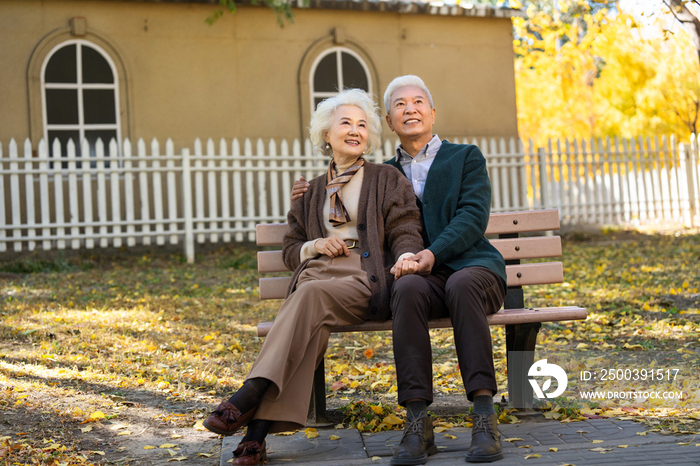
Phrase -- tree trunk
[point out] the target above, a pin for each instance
(689, 21)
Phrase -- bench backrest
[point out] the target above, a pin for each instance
(507, 225)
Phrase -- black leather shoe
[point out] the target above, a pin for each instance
(486, 440)
(417, 443)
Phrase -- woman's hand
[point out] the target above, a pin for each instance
(404, 267)
(331, 247)
(299, 188)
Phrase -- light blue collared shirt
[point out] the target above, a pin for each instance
(416, 168)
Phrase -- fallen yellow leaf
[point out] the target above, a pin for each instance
(176, 436)
(377, 409)
(286, 433)
(149, 447)
(450, 436)
(179, 458)
(554, 449)
(206, 455)
(533, 456)
(514, 439)
(596, 441)
(126, 432)
(334, 437)
(600, 449)
(198, 426)
(168, 445)
(97, 415)
(376, 458)
(437, 430)
(86, 429)
(622, 446)
(310, 433)
(641, 433)
(683, 443)
(171, 452)
(97, 452)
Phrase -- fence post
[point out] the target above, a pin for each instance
(187, 205)
(686, 160)
(542, 160)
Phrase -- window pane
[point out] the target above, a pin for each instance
(106, 135)
(326, 76)
(63, 137)
(61, 67)
(98, 106)
(353, 73)
(62, 106)
(318, 100)
(95, 67)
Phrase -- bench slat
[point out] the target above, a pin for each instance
(527, 248)
(530, 274)
(503, 317)
(271, 234)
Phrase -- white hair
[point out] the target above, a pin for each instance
(323, 119)
(403, 81)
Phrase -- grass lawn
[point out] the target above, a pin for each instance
(91, 341)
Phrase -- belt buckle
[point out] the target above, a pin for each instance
(354, 243)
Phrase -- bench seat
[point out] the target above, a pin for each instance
(502, 317)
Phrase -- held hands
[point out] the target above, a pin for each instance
(404, 266)
(421, 263)
(299, 188)
(331, 247)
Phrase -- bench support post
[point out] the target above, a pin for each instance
(317, 406)
(521, 338)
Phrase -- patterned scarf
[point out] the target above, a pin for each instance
(339, 214)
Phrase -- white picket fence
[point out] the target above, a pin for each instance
(220, 191)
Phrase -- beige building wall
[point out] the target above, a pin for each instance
(240, 77)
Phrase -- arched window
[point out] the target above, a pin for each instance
(335, 69)
(80, 96)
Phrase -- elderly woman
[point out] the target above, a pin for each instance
(346, 237)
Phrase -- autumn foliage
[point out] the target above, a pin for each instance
(586, 72)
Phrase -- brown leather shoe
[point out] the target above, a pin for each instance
(250, 453)
(227, 419)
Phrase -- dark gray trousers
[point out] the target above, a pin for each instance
(467, 296)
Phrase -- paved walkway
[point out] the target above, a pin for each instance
(573, 441)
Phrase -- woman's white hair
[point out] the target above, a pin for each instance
(323, 119)
(403, 81)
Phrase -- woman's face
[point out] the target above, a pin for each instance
(348, 134)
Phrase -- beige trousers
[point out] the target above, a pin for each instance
(329, 292)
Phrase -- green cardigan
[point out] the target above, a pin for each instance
(456, 207)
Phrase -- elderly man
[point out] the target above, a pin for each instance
(462, 275)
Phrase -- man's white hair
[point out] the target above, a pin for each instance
(403, 81)
(323, 119)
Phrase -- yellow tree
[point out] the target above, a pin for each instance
(585, 73)
(555, 71)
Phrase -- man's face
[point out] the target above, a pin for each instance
(410, 114)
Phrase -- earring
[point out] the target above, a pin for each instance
(328, 145)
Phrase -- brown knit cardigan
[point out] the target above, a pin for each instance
(388, 226)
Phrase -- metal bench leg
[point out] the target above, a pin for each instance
(521, 338)
(317, 406)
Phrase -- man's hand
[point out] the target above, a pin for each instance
(332, 247)
(299, 188)
(404, 267)
(425, 260)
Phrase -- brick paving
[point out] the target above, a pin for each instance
(573, 441)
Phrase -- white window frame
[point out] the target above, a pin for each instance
(79, 85)
(339, 63)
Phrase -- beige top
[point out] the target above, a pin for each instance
(351, 198)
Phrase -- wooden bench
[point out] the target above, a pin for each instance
(522, 324)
